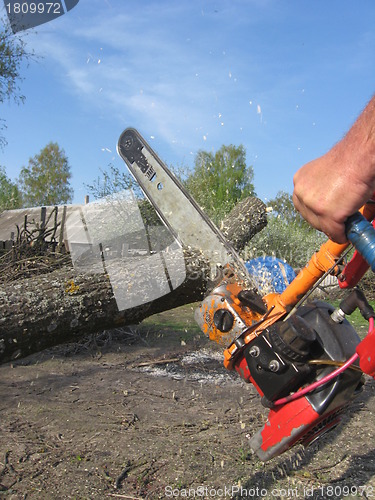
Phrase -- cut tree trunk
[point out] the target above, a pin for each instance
(49, 309)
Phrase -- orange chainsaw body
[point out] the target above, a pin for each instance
(274, 350)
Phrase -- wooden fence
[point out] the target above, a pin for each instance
(49, 222)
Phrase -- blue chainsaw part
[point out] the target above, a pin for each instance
(361, 234)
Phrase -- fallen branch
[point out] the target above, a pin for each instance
(157, 362)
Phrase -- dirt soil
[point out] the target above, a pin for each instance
(151, 413)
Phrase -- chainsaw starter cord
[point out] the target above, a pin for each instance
(332, 362)
(325, 379)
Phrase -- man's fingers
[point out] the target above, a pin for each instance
(334, 230)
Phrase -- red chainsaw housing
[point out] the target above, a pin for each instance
(306, 418)
(292, 423)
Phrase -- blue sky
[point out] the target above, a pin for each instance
(285, 78)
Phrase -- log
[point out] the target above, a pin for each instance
(64, 305)
(246, 219)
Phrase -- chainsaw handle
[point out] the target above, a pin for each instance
(361, 234)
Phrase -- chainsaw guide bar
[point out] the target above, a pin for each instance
(175, 206)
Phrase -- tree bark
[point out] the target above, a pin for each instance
(49, 309)
(246, 219)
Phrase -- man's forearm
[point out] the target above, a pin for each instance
(357, 149)
(331, 188)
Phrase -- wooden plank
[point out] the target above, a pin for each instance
(43, 213)
(62, 227)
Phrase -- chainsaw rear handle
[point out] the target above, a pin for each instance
(361, 234)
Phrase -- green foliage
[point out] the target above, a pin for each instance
(288, 240)
(46, 179)
(13, 54)
(10, 196)
(283, 207)
(112, 181)
(220, 180)
(287, 235)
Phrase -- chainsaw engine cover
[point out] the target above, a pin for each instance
(308, 417)
(339, 341)
(277, 359)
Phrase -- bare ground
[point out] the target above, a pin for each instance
(151, 413)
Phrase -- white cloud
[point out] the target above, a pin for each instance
(147, 72)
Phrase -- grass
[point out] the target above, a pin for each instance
(180, 323)
(177, 325)
(179, 320)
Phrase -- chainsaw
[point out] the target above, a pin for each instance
(303, 357)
